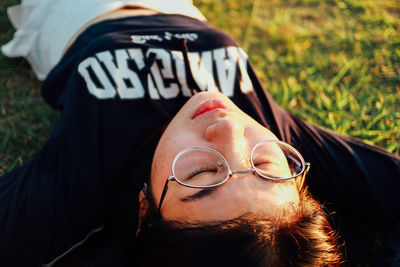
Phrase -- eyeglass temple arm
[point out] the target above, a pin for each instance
(164, 192)
(308, 165)
(303, 175)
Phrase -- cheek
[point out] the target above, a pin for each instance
(160, 164)
(164, 155)
(160, 170)
(257, 133)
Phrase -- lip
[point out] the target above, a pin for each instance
(208, 106)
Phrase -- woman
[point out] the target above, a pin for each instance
(124, 75)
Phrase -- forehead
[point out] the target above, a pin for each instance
(251, 195)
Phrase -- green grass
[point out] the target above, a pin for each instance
(333, 63)
(25, 120)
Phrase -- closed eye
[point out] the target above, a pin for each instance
(263, 160)
(269, 167)
(198, 171)
(202, 170)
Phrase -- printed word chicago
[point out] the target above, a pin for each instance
(128, 73)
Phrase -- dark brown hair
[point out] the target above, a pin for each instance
(299, 236)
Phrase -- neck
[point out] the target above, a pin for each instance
(127, 11)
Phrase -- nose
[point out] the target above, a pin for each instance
(228, 137)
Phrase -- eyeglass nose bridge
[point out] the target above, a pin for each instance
(244, 171)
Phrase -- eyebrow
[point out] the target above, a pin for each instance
(200, 194)
(210, 190)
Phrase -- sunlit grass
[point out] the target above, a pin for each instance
(333, 63)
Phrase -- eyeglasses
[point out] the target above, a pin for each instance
(204, 167)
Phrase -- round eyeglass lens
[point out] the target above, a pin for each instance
(200, 167)
(277, 160)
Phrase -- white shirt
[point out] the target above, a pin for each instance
(44, 27)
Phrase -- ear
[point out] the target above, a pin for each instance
(143, 209)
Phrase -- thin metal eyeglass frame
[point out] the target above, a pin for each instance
(305, 168)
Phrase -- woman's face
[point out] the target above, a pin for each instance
(210, 119)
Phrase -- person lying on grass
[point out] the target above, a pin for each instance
(169, 152)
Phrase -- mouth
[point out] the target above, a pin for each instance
(208, 106)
